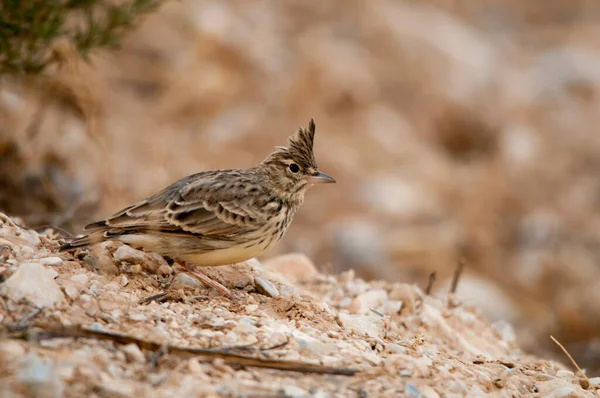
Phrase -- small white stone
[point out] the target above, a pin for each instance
(138, 316)
(40, 378)
(266, 287)
(186, 280)
(81, 279)
(133, 353)
(250, 308)
(129, 254)
(11, 349)
(25, 252)
(294, 266)
(564, 392)
(71, 291)
(312, 344)
(364, 302)
(51, 261)
(123, 281)
(112, 287)
(595, 382)
(30, 237)
(363, 325)
(295, 392)
(565, 374)
(35, 283)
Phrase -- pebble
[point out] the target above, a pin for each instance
(413, 391)
(391, 307)
(595, 382)
(312, 344)
(133, 353)
(104, 263)
(564, 392)
(405, 293)
(364, 302)
(40, 379)
(186, 280)
(251, 308)
(123, 281)
(565, 374)
(129, 254)
(364, 325)
(295, 392)
(265, 287)
(34, 282)
(138, 316)
(294, 266)
(112, 287)
(30, 237)
(72, 291)
(82, 279)
(92, 308)
(165, 269)
(51, 261)
(10, 349)
(429, 392)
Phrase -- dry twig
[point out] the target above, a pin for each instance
(457, 274)
(573, 362)
(204, 354)
(430, 283)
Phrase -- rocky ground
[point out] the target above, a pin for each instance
(138, 320)
(454, 129)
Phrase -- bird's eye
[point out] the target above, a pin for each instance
(294, 168)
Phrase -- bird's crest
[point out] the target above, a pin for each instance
(301, 144)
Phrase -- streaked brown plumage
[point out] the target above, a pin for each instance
(218, 217)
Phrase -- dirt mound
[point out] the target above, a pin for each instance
(144, 330)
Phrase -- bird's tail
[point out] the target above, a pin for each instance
(83, 241)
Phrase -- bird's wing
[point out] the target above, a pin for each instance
(201, 206)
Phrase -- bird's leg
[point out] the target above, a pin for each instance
(206, 281)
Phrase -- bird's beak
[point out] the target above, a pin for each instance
(320, 178)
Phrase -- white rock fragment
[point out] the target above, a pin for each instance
(564, 392)
(10, 350)
(364, 302)
(112, 287)
(295, 392)
(595, 382)
(51, 261)
(34, 282)
(129, 254)
(250, 308)
(30, 237)
(138, 316)
(294, 266)
(391, 307)
(186, 280)
(40, 379)
(82, 279)
(72, 291)
(364, 325)
(266, 287)
(134, 354)
(312, 344)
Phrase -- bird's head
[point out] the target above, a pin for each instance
(293, 169)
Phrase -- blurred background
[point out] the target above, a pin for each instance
(455, 129)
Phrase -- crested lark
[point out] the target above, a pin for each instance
(218, 217)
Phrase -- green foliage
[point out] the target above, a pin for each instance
(29, 28)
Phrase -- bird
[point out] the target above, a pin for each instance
(218, 217)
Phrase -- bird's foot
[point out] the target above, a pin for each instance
(207, 281)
